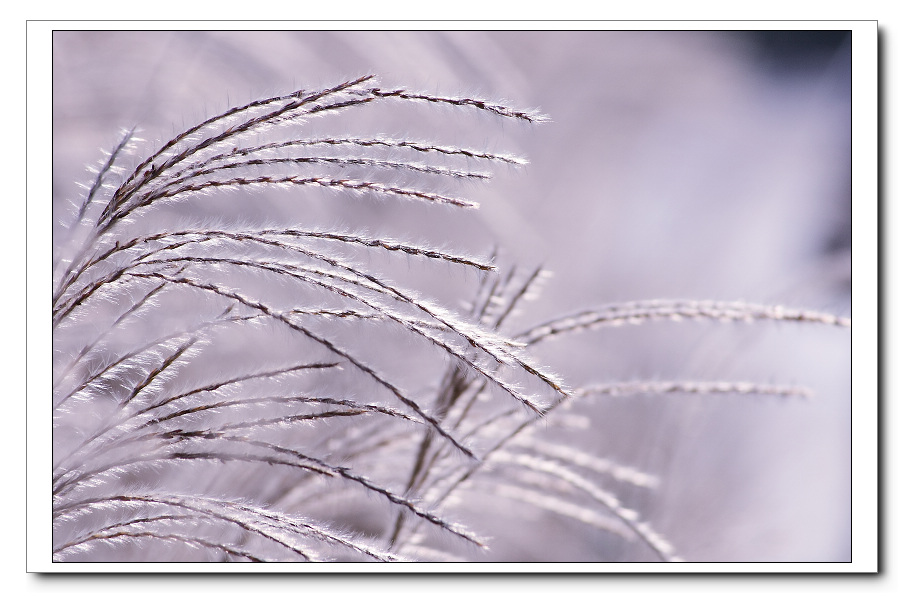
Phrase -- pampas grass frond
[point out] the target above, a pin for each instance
(241, 392)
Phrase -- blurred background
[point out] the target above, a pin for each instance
(676, 165)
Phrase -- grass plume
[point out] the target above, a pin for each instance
(228, 393)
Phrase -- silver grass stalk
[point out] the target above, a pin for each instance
(229, 391)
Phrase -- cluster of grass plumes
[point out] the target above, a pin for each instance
(229, 393)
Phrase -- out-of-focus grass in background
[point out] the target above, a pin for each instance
(677, 165)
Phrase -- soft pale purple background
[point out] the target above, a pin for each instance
(676, 165)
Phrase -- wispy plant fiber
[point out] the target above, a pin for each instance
(227, 393)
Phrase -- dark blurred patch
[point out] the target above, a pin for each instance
(796, 50)
(841, 240)
(799, 54)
